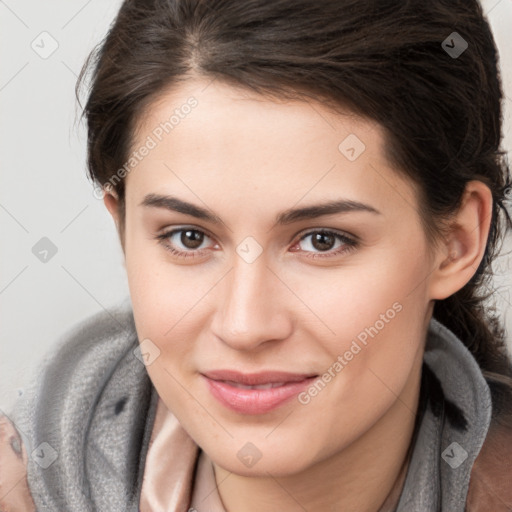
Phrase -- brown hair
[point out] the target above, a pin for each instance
(383, 60)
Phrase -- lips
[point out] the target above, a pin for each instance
(259, 386)
(256, 379)
(255, 393)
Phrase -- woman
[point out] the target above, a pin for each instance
(308, 196)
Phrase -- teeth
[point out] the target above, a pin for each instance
(259, 386)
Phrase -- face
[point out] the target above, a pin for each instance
(341, 297)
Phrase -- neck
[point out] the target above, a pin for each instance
(367, 476)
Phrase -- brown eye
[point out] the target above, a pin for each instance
(331, 243)
(323, 241)
(184, 242)
(191, 238)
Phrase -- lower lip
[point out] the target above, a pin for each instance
(255, 401)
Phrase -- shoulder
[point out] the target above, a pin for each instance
(490, 485)
(78, 364)
(14, 490)
(59, 403)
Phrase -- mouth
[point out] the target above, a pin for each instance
(259, 386)
(255, 393)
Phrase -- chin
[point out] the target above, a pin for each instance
(271, 461)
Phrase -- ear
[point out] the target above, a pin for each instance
(463, 248)
(111, 201)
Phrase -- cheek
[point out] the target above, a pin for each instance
(161, 293)
(377, 315)
(171, 304)
(382, 297)
(164, 319)
(164, 310)
(162, 299)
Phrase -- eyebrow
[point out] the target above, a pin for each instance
(286, 217)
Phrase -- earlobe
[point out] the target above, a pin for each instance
(458, 258)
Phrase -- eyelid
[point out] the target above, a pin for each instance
(309, 231)
(167, 233)
(349, 243)
(171, 230)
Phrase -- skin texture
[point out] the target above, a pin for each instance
(247, 158)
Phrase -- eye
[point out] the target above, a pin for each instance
(325, 241)
(186, 243)
(190, 239)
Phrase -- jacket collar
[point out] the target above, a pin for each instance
(444, 450)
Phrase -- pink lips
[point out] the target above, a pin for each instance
(279, 387)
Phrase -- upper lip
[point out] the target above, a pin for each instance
(254, 379)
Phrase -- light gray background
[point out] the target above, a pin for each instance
(44, 191)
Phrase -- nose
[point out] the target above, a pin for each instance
(252, 306)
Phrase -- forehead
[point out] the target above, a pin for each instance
(200, 108)
(208, 136)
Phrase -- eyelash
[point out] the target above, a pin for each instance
(350, 244)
